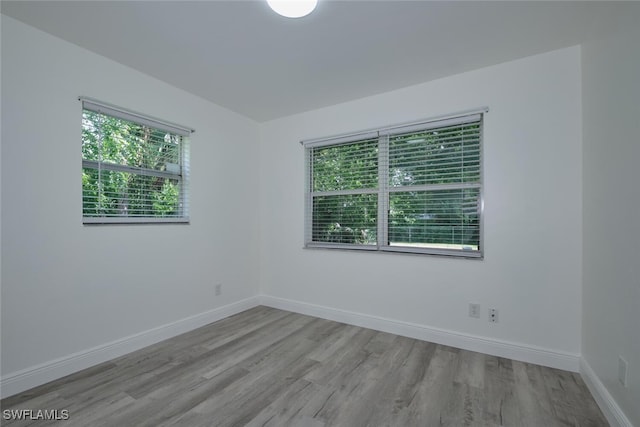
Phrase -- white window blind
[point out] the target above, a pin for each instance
(344, 193)
(413, 188)
(135, 169)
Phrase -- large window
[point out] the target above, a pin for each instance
(134, 168)
(414, 188)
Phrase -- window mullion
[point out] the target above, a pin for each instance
(129, 169)
(184, 170)
(100, 191)
(309, 198)
(345, 192)
(383, 190)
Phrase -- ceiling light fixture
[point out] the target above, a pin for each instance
(293, 8)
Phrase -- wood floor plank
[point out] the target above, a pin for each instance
(269, 367)
(357, 389)
(329, 347)
(565, 391)
(389, 385)
(260, 346)
(204, 363)
(293, 407)
(435, 387)
(166, 403)
(239, 328)
(103, 413)
(470, 369)
(533, 400)
(244, 401)
(343, 361)
(465, 404)
(500, 404)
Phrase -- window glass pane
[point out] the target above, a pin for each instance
(91, 135)
(345, 219)
(113, 140)
(345, 167)
(112, 193)
(437, 156)
(131, 170)
(442, 219)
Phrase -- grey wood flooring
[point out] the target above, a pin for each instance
(268, 367)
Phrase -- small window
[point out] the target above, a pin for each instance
(414, 188)
(135, 169)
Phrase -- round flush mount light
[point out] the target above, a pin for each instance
(293, 8)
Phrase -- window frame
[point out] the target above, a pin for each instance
(99, 107)
(385, 190)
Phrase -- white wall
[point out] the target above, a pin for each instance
(533, 220)
(611, 200)
(68, 287)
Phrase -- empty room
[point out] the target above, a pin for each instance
(320, 213)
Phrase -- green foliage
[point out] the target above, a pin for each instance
(437, 217)
(164, 202)
(345, 219)
(137, 191)
(346, 167)
(442, 156)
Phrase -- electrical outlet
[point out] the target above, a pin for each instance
(474, 310)
(622, 371)
(218, 289)
(493, 315)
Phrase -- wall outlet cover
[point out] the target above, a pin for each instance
(493, 315)
(622, 370)
(474, 310)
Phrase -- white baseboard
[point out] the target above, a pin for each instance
(37, 375)
(516, 351)
(605, 401)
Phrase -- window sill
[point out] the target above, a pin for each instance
(399, 250)
(130, 221)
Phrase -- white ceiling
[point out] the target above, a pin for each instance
(242, 56)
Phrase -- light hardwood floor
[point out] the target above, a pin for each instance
(268, 367)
